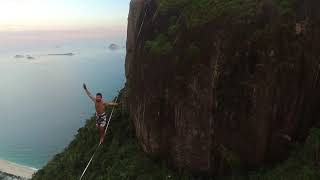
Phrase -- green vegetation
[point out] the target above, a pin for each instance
(231, 158)
(159, 46)
(6, 176)
(200, 12)
(301, 165)
(195, 13)
(120, 157)
(286, 6)
(312, 147)
(174, 29)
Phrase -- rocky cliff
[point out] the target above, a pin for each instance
(213, 83)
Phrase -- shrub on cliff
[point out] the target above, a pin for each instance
(199, 12)
(159, 46)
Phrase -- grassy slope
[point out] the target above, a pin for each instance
(120, 157)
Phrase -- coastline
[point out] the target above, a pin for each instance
(16, 169)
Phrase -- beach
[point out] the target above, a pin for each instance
(16, 169)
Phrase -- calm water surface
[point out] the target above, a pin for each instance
(42, 104)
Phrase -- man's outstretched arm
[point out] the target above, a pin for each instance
(88, 93)
(112, 104)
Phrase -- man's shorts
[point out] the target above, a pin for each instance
(101, 120)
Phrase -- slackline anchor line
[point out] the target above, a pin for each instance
(105, 131)
(146, 7)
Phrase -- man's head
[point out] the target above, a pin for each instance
(98, 97)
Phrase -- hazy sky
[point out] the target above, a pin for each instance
(25, 15)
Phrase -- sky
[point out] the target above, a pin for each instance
(63, 15)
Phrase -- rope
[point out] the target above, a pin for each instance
(105, 131)
(145, 14)
(84, 171)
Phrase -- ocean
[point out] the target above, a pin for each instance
(42, 103)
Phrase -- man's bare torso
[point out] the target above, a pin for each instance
(100, 107)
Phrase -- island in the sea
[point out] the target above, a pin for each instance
(19, 56)
(30, 57)
(113, 46)
(63, 54)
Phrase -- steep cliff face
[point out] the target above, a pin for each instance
(136, 7)
(234, 89)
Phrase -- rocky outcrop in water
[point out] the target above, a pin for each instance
(19, 56)
(114, 47)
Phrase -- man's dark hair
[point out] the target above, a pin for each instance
(99, 94)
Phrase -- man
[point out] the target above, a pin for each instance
(101, 117)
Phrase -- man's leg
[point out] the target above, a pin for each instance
(101, 130)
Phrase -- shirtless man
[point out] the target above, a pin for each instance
(101, 117)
